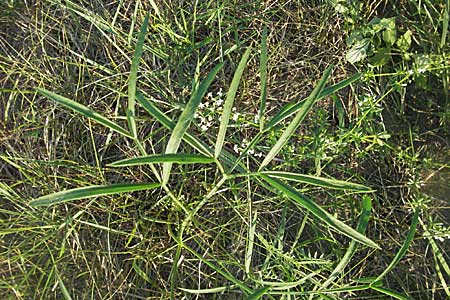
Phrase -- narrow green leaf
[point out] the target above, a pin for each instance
(361, 228)
(62, 287)
(84, 110)
(186, 118)
(225, 117)
(445, 21)
(347, 289)
(319, 212)
(91, 191)
(179, 158)
(263, 75)
(251, 145)
(250, 243)
(155, 8)
(215, 290)
(131, 117)
(439, 259)
(258, 293)
(391, 293)
(139, 271)
(306, 107)
(319, 181)
(402, 251)
(279, 286)
(293, 107)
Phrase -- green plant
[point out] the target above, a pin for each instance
(179, 132)
(158, 184)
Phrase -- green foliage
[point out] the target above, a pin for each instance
(243, 173)
(91, 191)
(178, 132)
(376, 40)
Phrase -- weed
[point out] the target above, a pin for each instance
(209, 150)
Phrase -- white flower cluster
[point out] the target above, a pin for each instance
(244, 145)
(368, 102)
(209, 110)
(440, 232)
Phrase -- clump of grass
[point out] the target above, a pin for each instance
(122, 191)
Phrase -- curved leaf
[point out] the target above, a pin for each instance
(362, 225)
(186, 118)
(258, 293)
(263, 75)
(225, 117)
(292, 107)
(91, 191)
(83, 110)
(319, 181)
(409, 239)
(319, 212)
(179, 158)
(306, 107)
(133, 78)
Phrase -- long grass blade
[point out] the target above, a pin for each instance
(215, 290)
(292, 107)
(83, 110)
(91, 191)
(391, 293)
(319, 181)
(279, 286)
(439, 259)
(62, 287)
(179, 158)
(167, 122)
(250, 243)
(186, 118)
(258, 293)
(319, 212)
(228, 105)
(131, 113)
(361, 228)
(402, 251)
(289, 131)
(445, 21)
(263, 75)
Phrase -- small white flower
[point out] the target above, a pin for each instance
(256, 118)
(201, 105)
(219, 102)
(236, 149)
(204, 127)
(439, 238)
(210, 95)
(235, 117)
(259, 154)
(251, 151)
(219, 93)
(421, 70)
